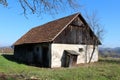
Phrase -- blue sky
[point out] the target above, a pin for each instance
(13, 24)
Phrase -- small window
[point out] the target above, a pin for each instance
(80, 49)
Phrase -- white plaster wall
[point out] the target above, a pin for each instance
(95, 54)
(58, 49)
(84, 56)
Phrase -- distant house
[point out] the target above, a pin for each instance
(60, 43)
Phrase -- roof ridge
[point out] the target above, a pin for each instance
(56, 20)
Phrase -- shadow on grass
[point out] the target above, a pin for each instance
(112, 60)
(11, 57)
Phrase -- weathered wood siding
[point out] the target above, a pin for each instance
(71, 35)
(33, 54)
(24, 53)
(75, 33)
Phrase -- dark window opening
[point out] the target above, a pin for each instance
(37, 49)
(80, 49)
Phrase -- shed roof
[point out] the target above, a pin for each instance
(72, 52)
(47, 32)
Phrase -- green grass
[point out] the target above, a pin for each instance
(105, 69)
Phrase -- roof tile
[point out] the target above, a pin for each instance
(46, 32)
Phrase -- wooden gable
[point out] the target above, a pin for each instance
(77, 32)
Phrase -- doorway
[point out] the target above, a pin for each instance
(70, 58)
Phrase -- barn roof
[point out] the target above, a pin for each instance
(47, 32)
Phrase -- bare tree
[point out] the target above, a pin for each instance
(54, 6)
(4, 2)
(47, 6)
(97, 28)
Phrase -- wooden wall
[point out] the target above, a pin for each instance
(75, 35)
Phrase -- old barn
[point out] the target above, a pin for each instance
(60, 43)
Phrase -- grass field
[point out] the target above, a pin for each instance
(105, 69)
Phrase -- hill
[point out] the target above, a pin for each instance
(6, 50)
(110, 52)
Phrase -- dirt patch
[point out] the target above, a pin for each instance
(10, 77)
(16, 77)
